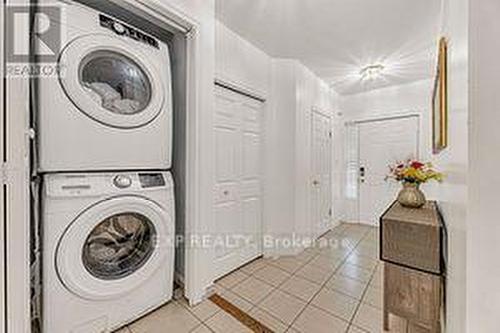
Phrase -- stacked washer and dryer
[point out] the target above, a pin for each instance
(105, 146)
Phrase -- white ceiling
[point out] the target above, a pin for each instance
(337, 38)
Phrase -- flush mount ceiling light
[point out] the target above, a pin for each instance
(371, 72)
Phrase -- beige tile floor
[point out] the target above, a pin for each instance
(329, 289)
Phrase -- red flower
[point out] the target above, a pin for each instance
(417, 165)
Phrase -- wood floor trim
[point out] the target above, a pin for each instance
(240, 315)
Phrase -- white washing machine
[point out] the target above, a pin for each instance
(110, 108)
(108, 249)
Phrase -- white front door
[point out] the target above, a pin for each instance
(238, 195)
(382, 143)
(321, 178)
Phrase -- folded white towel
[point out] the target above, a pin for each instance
(126, 106)
(107, 93)
(109, 98)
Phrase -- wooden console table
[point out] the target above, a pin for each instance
(412, 244)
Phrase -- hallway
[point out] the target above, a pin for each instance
(333, 287)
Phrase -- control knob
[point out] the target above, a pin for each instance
(118, 28)
(122, 181)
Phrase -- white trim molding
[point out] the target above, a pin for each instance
(16, 192)
(3, 244)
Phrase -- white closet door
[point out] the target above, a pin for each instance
(321, 183)
(238, 197)
(382, 143)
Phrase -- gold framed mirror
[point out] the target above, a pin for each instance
(440, 101)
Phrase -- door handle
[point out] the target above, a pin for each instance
(315, 182)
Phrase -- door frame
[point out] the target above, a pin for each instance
(330, 116)
(199, 219)
(418, 116)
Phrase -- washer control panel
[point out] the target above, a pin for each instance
(95, 184)
(122, 29)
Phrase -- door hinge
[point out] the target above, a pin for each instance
(330, 134)
(330, 212)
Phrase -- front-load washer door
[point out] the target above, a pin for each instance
(113, 81)
(113, 247)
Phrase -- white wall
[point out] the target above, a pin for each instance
(483, 228)
(295, 92)
(240, 63)
(452, 194)
(279, 185)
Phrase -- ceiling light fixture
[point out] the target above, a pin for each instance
(371, 72)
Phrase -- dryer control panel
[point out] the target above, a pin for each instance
(122, 29)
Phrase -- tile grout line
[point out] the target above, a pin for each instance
(275, 288)
(200, 325)
(351, 323)
(306, 262)
(359, 302)
(202, 321)
(278, 288)
(324, 284)
(352, 247)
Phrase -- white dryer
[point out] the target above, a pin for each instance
(110, 106)
(108, 249)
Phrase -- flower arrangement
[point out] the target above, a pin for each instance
(414, 172)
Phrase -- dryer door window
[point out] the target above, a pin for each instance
(115, 82)
(119, 246)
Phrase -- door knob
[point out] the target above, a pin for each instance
(315, 182)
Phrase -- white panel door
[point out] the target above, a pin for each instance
(321, 167)
(382, 143)
(238, 206)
